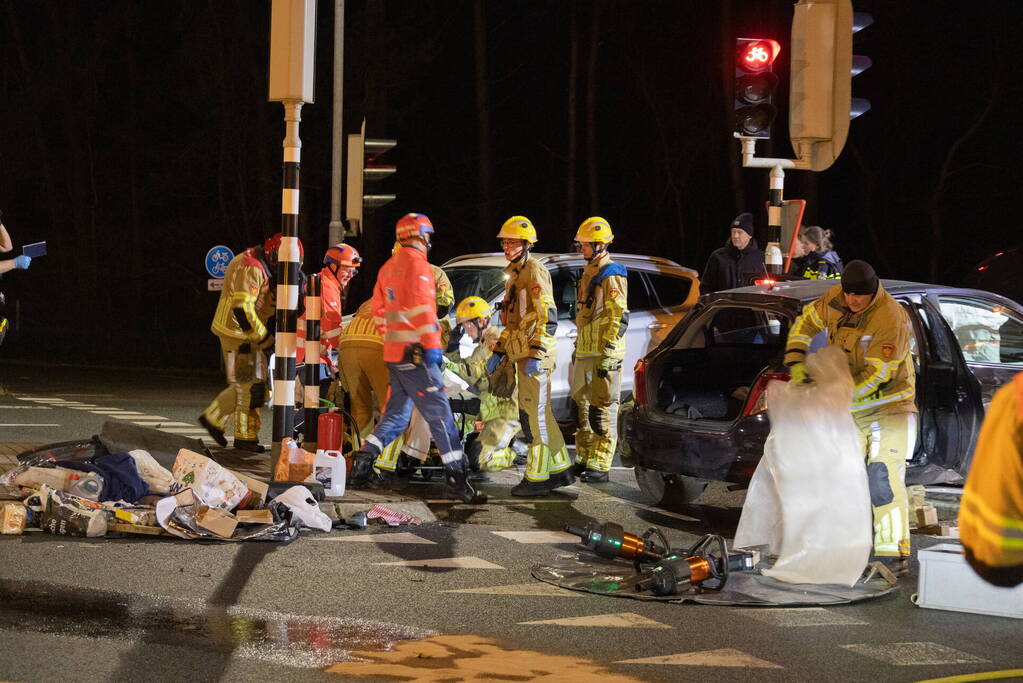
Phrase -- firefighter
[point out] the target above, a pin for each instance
(527, 342)
(415, 440)
(246, 303)
(491, 450)
(873, 329)
(340, 265)
(362, 368)
(991, 513)
(601, 319)
(405, 312)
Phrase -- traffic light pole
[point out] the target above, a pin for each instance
(772, 254)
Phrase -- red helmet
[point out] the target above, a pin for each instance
(342, 255)
(413, 225)
(273, 243)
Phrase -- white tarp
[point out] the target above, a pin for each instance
(808, 499)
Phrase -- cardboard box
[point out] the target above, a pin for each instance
(185, 498)
(254, 517)
(926, 515)
(219, 521)
(136, 529)
(948, 582)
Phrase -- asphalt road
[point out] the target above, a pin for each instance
(443, 600)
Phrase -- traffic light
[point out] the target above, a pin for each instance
(755, 83)
(365, 166)
(820, 93)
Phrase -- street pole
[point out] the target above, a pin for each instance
(292, 52)
(311, 394)
(289, 266)
(772, 255)
(336, 230)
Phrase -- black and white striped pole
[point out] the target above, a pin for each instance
(292, 48)
(311, 397)
(772, 254)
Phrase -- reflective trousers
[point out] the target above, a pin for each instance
(246, 372)
(421, 386)
(365, 377)
(499, 428)
(547, 453)
(597, 399)
(887, 442)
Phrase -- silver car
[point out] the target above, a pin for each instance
(660, 293)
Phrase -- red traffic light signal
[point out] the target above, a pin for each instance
(755, 84)
(755, 55)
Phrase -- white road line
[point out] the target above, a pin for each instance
(91, 395)
(614, 620)
(538, 536)
(724, 657)
(41, 399)
(913, 654)
(31, 424)
(165, 423)
(92, 408)
(800, 616)
(25, 408)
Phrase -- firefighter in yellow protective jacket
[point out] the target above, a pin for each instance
(873, 330)
(530, 320)
(246, 303)
(362, 368)
(991, 513)
(491, 450)
(601, 319)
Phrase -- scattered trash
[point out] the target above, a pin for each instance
(12, 518)
(68, 515)
(157, 477)
(211, 482)
(294, 463)
(303, 506)
(391, 517)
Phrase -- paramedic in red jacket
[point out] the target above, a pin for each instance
(405, 313)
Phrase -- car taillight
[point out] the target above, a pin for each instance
(639, 383)
(757, 400)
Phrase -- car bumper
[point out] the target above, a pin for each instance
(674, 446)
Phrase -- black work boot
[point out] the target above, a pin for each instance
(562, 478)
(594, 477)
(250, 445)
(215, 432)
(531, 489)
(363, 475)
(391, 481)
(578, 469)
(460, 488)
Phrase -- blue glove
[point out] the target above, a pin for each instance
(22, 262)
(532, 367)
(433, 357)
(494, 360)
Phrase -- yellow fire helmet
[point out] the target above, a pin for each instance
(518, 228)
(594, 229)
(472, 307)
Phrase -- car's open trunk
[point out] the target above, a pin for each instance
(710, 383)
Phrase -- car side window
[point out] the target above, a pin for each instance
(639, 298)
(670, 290)
(564, 286)
(986, 331)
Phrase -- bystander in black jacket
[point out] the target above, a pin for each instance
(729, 267)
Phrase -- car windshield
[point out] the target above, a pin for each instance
(482, 281)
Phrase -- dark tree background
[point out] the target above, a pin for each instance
(135, 136)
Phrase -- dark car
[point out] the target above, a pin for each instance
(700, 412)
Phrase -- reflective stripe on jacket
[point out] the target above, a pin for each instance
(876, 344)
(246, 300)
(601, 314)
(991, 511)
(528, 313)
(404, 304)
(361, 330)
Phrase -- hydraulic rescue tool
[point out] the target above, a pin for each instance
(694, 567)
(610, 540)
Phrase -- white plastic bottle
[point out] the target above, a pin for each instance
(329, 468)
(86, 485)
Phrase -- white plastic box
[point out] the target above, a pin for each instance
(948, 582)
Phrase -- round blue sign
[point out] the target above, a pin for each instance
(217, 259)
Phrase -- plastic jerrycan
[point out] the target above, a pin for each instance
(329, 468)
(330, 427)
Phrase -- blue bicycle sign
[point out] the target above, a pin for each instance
(217, 259)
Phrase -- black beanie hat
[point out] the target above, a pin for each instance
(744, 221)
(859, 277)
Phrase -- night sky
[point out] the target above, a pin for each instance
(135, 136)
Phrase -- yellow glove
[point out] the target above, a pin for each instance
(799, 373)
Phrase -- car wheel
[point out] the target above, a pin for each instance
(624, 452)
(668, 489)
